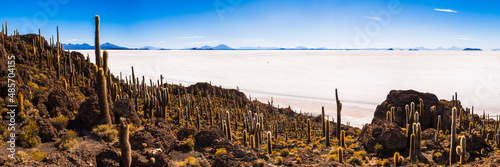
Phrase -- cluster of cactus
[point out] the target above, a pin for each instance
(390, 115)
(398, 159)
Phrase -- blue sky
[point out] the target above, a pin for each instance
(265, 23)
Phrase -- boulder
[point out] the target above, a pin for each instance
(125, 108)
(59, 102)
(389, 135)
(400, 98)
(208, 136)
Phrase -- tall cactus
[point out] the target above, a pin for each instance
(453, 153)
(308, 130)
(327, 141)
(228, 123)
(323, 120)
(412, 147)
(269, 143)
(339, 108)
(342, 139)
(126, 158)
(103, 97)
(97, 43)
(105, 62)
(464, 155)
(245, 137)
(436, 136)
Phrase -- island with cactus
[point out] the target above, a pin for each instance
(72, 112)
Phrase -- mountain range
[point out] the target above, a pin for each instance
(110, 46)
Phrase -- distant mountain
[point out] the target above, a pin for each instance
(472, 49)
(85, 46)
(150, 48)
(218, 47)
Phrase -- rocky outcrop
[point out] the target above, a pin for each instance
(387, 134)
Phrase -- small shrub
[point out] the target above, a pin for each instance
(382, 162)
(299, 161)
(220, 152)
(360, 154)
(190, 143)
(437, 155)
(60, 122)
(188, 162)
(333, 157)
(132, 128)
(29, 135)
(69, 140)
(285, 152)
(279, 159)
(105, 132)
(378, 148)
(355, 161)
(260, 163)
(316, 151)
(37, 155)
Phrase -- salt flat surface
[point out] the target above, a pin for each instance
(306, 79)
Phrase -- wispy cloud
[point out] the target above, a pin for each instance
(446, 10)
(190, 37)
(373, 18)
(71, 40)
(461, 37)
(203, 42)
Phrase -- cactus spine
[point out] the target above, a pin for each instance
(269, 144)
(126, 158)
(339, 108)
(464, 155)
(453, 153)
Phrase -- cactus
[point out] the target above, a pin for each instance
(388, 116)
(258, 137)
(470, 127)
(269, 144)
(398, 160)
(198, 119)
(323, 120)
(228, 123)
(436, 136)
(421, 107)
(464, 155)
(392, 114)
(341, 155)
(497, 139)
(308, 130)
(245, 138)
(412, 147)
(342, 139)
(327, 141)
(20, 102)
(105, 62)
(453, 153)
(102, 97)
(339, 108)
(126, 158)
(252, 141)
(97, 43)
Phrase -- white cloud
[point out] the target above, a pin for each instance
(374, 18)
(461, 37)
(71, 40)
(190, 37)
(446, 10)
